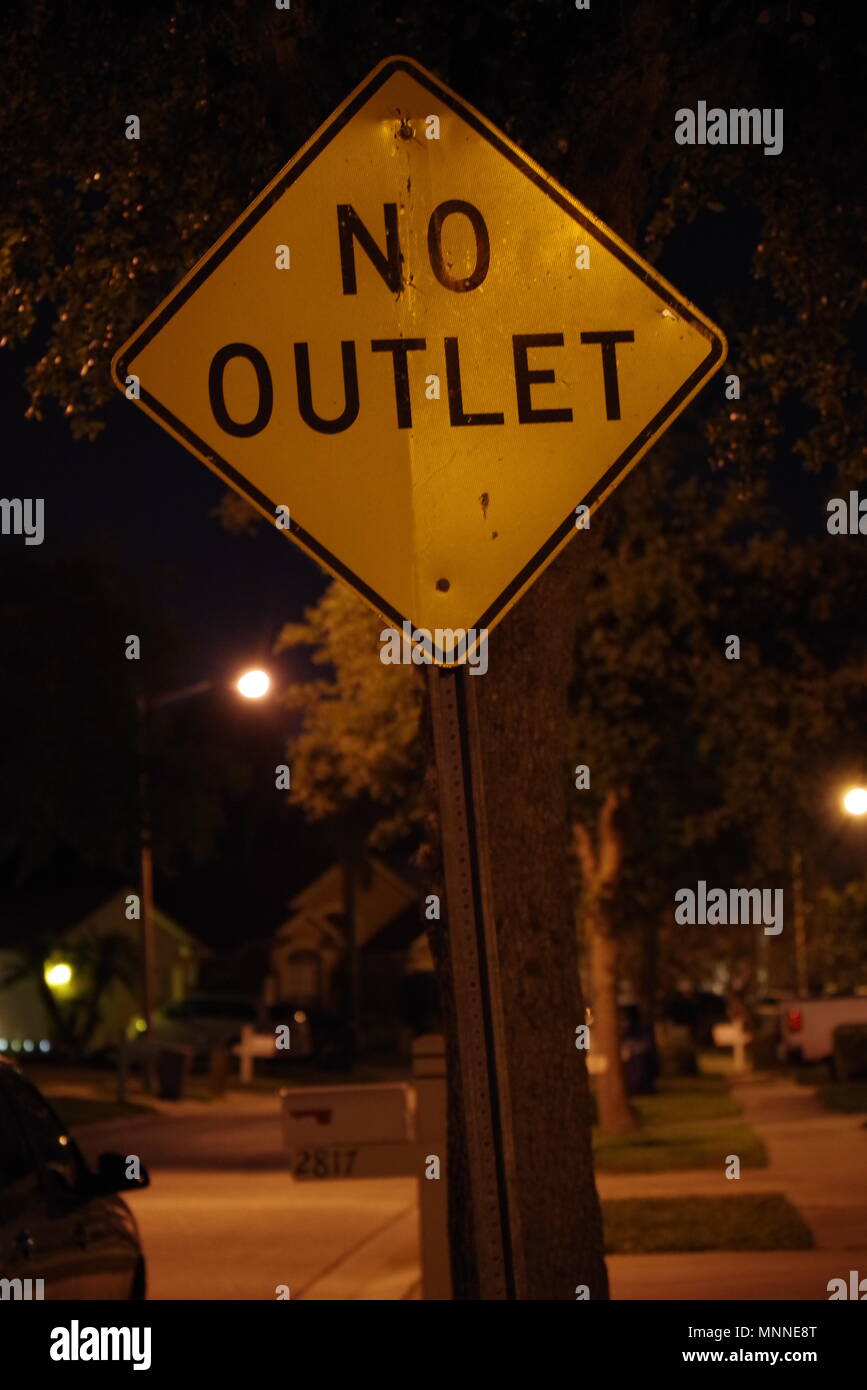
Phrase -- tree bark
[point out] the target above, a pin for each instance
(522, 704)
(616, 1115)
(600, 869)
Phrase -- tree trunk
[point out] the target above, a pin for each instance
(600, 869)
(616, 1115)
(522, 703)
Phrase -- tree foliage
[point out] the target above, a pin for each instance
(837, 937)
(98, 960)
(358, 751)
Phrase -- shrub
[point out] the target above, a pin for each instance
(850, 1052)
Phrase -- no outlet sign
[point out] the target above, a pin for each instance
(426, 350)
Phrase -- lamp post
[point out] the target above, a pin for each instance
(802, 974)
(253, 685)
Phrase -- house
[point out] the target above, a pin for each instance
(309, 958)
(75, 925)
(178, 956)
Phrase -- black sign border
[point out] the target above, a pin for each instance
(175, 301)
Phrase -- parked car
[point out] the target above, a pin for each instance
(200, 1022)
(60, 1221)
(314, 1034)
(807, 1025)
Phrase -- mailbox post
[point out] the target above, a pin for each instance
(429, 1070)
(384, 1130)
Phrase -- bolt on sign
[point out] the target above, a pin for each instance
(427, 350)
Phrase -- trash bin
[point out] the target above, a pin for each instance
(171, 1064)
(218, 1070)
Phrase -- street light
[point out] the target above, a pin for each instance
(253, 685)
(58, 975)
(855, 801)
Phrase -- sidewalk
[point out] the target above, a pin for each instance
(727, 1275)
(816, 1158)
(259, 1102)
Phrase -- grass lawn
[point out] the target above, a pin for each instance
(651, 1225)
(687, 1098)
(82, 1110)
(690, 1123)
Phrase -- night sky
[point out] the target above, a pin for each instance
(226, 596)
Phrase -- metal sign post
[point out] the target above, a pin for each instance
(476, 985)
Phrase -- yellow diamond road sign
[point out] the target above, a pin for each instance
(426, 350)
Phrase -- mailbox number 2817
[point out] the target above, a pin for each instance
(325, 1163)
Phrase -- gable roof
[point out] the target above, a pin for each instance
(322, 930)
(69, 907)
(113, 908)
(382, 898)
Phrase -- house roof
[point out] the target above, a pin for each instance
(303, 924)
(65, 896)
(114, 906)
(382, 898)
(68, 907)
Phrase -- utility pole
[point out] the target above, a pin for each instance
(349, 871)
(802, 973)
(145, 707)
(146, 876)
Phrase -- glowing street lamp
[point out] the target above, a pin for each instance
(253, 684)
(58, 975)
(855, 801)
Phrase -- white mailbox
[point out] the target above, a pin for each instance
(735, 1036)
(388, 1130)
(374, 1114)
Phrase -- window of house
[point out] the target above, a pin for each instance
(303, 975)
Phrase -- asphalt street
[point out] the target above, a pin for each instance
(224, 1219)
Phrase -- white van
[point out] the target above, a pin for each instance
(807, 1025)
